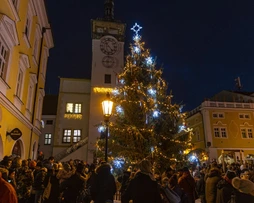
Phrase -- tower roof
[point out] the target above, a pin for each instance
(109, 9)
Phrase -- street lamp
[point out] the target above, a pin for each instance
(107, 106)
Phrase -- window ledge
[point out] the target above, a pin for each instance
(26, 41)
(17, 102)
(4, 86)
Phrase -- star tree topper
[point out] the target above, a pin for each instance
(136, 28)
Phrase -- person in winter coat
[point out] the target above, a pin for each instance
(213, 177)
(143, 187)
(225, 188)
(7, 192)
(39, 183)
(103, 185)
(187, 183)
(72, 186)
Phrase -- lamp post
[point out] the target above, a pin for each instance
(107, 106)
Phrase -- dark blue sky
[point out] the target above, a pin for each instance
(203, 45)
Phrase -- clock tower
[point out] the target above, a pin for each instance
(107, 61)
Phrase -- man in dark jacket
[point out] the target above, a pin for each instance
(103, 186)
(143, 187)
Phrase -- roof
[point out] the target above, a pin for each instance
(50, 105)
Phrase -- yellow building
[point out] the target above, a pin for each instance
(223, 126)
(25, 40)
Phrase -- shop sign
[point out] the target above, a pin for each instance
(15, 134)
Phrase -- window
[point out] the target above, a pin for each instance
(220, 132)
(67, 136)
(49, 122)
(107, 79)
(47, 139)
(215, 115)
(221, 115)
(19, 84)
(30, 94)
(223, 132)
(3, 59)
(246, 133)
(244, 116)
(76, 135)
(218, 115)
(73, 108)
(73, 136)
(216, 132)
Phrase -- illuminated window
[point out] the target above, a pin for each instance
(67, 136)
(76, 135)
(69, 108)
(4, 52)
(71, 136)
(77, 108)
(47, 139)
(73, 108)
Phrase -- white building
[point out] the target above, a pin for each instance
(79, 107)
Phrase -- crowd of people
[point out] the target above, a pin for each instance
(45, 181)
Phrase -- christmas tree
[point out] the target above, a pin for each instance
(145, 122)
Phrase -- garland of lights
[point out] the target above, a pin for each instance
(147, 94)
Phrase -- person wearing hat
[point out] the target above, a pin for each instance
(244, 190)
(225, 188)
(143, 187)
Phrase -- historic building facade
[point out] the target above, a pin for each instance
(223, 126)
(76, 133)
(25, 40)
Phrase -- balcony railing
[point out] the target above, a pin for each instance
(215, 104)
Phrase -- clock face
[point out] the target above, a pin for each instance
(109, 46)
(109, 62)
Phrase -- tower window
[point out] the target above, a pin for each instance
(107, 79)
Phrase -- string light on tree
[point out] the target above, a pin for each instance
(149, 61)
(144, 115)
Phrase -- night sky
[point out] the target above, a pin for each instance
(202, 45)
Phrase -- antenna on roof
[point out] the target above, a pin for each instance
(238, 83)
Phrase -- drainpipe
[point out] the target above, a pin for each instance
(36, 90)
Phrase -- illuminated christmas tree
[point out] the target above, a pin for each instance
(145, 123)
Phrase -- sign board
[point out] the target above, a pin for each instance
(15, 134)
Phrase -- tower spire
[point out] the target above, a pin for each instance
(109, 9)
